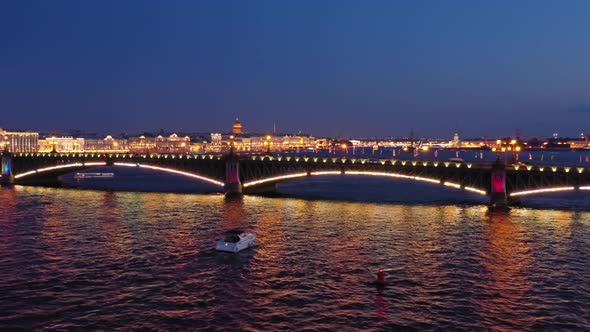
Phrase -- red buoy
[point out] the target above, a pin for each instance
(380, 278)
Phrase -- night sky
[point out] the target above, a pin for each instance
(347, 68)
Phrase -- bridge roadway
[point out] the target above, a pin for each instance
(503, 183)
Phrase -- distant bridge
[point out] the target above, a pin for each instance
(234, 174)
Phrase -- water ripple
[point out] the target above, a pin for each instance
(93, 260)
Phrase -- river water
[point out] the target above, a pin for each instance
(108, 260)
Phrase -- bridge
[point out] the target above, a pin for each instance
(504, 184)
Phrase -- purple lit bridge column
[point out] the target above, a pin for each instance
(233, 186)
(498, 197)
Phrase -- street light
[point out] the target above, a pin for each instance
(267, 143)
(231, 144)
(53, 144)
(4, 144)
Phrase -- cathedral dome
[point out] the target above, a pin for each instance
(237, 127)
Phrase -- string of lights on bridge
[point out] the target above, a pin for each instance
(392, 162)
(409, 163)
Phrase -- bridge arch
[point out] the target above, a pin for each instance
(70, 167)
(535, 192)
(299, 175)
(173, 171)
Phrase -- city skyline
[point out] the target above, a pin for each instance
(341, 68)
(81, 132)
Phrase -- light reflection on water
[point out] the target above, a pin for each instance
(72, 259)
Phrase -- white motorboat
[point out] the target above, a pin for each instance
(236, 240)
(83, 176)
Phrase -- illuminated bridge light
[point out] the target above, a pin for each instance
(324, 160)
(580, 169)
(528, 168)
(436, 164)
(343, 160)
(334, 160)
(58, 167)
(288, 158)
(170, 170)
(446, 163)
(382, 162)
(353, 160)
(516, 167)
(539, 191)
(414, 163)
(391, 175)
(475, 190)
(326, 173)
(419, 178)
(306, 159)
(363, 161)
(393, 162)
(541, 169)
(24, 174)
(469, 165)
(404, 163)
(554, 169)
(585, 188)
(315, 160)
(425, 163)
(95, 164)
(452, 184)
(276, 178)
(457, 165)
(297, 159)
(279, 158)
(40, 170)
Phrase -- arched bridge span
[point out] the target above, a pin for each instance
(277, 170)
(45, 169)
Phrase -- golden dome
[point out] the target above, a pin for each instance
(237, 127)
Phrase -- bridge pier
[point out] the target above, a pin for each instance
(7, 178)
(232, 186)
(498, 197)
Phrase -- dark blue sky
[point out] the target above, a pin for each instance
(350, 68)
